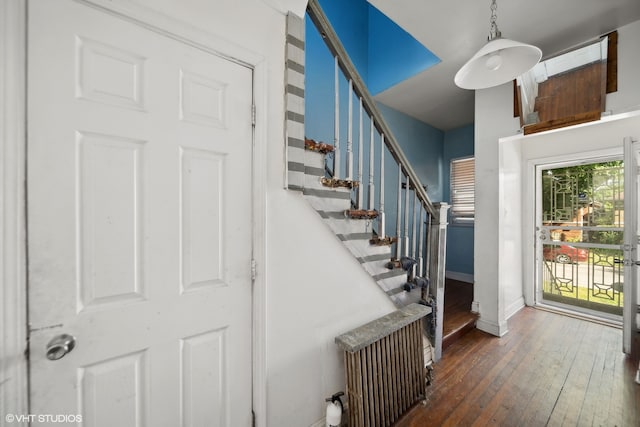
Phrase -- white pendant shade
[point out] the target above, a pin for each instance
(499, 61)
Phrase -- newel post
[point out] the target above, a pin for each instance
(438, 236)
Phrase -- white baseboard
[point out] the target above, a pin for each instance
(514, 307)
(462, 277)
(475, 307)
(499, 330)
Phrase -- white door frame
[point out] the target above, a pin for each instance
(575, 159)
(529, 205)
(13, 300)
(13, 261)
(630, 245)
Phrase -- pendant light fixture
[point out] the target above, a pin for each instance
(499, 61)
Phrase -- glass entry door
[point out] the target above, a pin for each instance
(580, 224)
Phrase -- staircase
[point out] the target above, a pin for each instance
(347, 185)
(334, 205)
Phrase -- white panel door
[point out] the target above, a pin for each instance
(139, 216)
(631, 309)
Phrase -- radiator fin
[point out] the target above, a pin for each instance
(386, 378)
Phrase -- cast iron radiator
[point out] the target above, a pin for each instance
(384, 367)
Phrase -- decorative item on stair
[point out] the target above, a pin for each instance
(383, 241)
(320, 147)
(361, 214)
(339, 183)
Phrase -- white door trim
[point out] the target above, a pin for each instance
(530, 205)
(630, 244)
(531, 285)
(13, 20)
(259, 294)
(13, 314)
(178, 30)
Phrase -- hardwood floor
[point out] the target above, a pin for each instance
(548, 370)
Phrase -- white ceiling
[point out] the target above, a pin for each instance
(455, 29)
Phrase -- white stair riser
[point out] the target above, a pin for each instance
(314, 159)
(362, 248)
(376, 267)
(392, 282)
(346, 226)
(328, 204)
(313, 181)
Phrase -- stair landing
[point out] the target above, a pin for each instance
(458, 318)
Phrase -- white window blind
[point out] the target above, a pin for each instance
(462, 190)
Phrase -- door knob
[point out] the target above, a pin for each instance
(59, 346)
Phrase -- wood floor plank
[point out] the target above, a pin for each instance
(573, 397)
(601, 416)
(504, 406)
(548, 370)
(560, 354)
(478, 409)
(595, 389)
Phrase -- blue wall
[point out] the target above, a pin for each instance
(423, 146)
(319, 88)
(458, 143)
(350, 20)
(382, 51)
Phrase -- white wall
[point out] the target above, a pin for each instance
(510, 217)
(627, 97)
(493, 119)
(315, 289)
(501, 186)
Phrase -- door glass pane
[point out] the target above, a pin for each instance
(581, 233)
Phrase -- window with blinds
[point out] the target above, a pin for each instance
(462, 190)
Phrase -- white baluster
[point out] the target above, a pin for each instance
(371, 194)
(381, 219)
(399, 214)
(406, 219)
(360, 159)
(420, 245)
(349, 172)
(336, 124)
(413, 230)
(427, 263)
(413, 233)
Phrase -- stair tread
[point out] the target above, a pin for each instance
(389, 274)
(459, 321)
(453, 330)
(329, 193)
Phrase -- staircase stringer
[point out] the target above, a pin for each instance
(330, 205)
